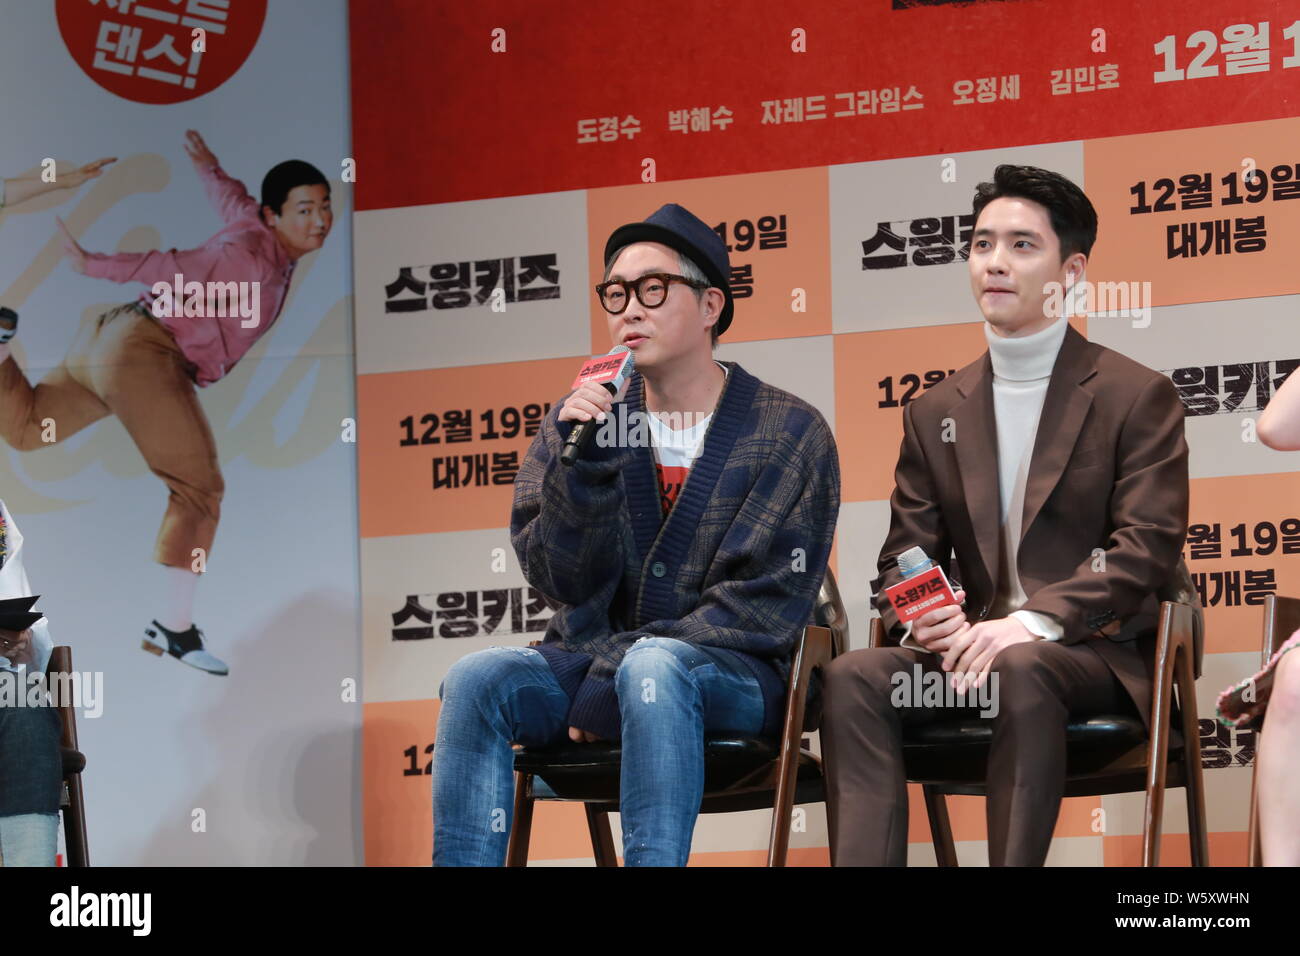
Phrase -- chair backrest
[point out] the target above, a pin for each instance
(1180, 589)
(828, 612)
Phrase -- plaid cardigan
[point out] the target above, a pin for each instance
(735, 565)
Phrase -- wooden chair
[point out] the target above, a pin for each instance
(1281, 620)
(740, 773)
(73, 801)
(1106, 753)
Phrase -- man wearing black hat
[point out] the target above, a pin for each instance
(682, 552)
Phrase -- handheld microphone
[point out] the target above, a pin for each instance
(924, 586)
(610, 370)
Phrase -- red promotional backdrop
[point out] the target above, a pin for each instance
(477, 123)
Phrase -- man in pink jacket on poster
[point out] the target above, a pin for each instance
(202, 312)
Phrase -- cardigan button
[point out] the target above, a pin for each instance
(658, 569)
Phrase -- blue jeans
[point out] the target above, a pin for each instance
(31, 779)
(31, 766)
(669, 693)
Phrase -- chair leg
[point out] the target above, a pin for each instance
(522, 826)
(602, 837)
(74, 824)
(936, 807)
(1157, 765)
(1194, 781)
(778, 845)
(1153, 825)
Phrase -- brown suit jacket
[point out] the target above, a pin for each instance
(1109, 471)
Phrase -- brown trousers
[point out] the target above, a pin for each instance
(124, 363)
(1040, 685)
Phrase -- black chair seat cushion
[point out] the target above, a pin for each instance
(590, 772)
(957, 750)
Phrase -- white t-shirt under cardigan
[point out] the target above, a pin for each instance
(675, 450)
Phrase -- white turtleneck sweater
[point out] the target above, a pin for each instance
(1022, 368)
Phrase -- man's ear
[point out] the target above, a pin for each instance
(1074, 268)
(269, 216)
(714, 301)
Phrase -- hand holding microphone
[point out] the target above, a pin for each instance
(588, 402)
(925, 599)
(934, 630)
(598, 381)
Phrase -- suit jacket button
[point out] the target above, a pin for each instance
(658, 569)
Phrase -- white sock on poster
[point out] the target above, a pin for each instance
(177, 611)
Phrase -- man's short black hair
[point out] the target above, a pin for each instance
(1071, 213)
(286, 176)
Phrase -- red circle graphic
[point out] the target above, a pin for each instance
(144, 50)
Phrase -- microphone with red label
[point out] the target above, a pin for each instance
(924, 587)
(610, 370)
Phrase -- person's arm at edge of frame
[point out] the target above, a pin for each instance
(1279, 426)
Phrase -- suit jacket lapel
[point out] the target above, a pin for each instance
(977, 460)
(1065, 407)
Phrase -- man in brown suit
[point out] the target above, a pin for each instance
(1056, 470)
